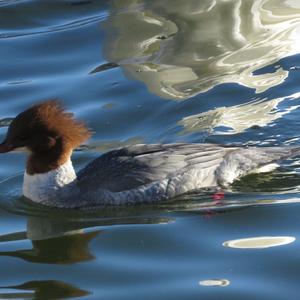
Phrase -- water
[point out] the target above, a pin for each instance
(155, 71)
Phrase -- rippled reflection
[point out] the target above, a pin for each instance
(54, 241)
(260, 242)
(181, 48)
(238, 118)
(42, 289)
(61, 241)
(60, 250)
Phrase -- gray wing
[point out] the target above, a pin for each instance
(133, 166)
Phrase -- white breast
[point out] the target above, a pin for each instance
(45, 186)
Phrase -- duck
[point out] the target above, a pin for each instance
(141, 173)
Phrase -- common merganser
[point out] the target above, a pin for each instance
(134, 174)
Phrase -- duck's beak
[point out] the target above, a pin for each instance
(6, 147)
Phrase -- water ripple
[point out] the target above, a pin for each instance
(63, 27)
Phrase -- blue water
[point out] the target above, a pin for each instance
(146, 72)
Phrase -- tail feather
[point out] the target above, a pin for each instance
(243, 161)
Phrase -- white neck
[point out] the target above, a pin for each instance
(45, 188)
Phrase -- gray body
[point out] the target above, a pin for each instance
(149, 173)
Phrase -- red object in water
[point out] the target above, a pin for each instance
(218, 196)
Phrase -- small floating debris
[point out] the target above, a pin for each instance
(259, 242)
(215, 282)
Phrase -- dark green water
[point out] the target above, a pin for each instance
(156, 71)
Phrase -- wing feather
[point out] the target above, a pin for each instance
(133, 166)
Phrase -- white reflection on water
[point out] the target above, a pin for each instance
(182, 48)
(259, 242)
(214, 282)
(238, 118)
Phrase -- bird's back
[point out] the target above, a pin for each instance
(130, 167)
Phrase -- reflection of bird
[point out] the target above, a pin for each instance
(268, 182)
(60, 250)
(134, 174)
(63, 241)
(44, 289)
(182, 48)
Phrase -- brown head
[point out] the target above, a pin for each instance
(48, 132)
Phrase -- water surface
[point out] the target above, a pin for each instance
(142, 71)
